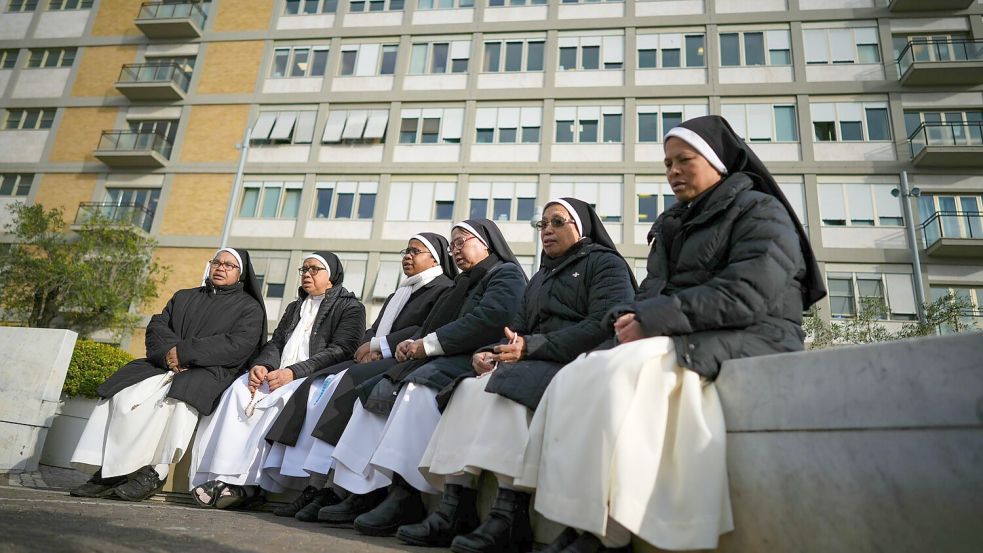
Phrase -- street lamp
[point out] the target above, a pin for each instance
(903, 193)
(236, 185)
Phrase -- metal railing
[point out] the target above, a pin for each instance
(158, 10)
(945, 134)
(950, 49)
(156, 73)
(952, 224)
(134, 214)
(134, 141)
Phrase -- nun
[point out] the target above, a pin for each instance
(386, 494)
(429, 272)
(317, 330)
(730, 271)
(486, 424)
(150, 406)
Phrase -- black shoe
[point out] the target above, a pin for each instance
(323, 498)
(348, 510)
(456, 514)
(506, 530)
(97, 486)
(139, 485)
(403, 505)
(589, 543)
(560, 544)
(290, 509)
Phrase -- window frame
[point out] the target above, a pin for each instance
(421, 124)
(18, 188)
(876, 192)
(602, 49)
(502, 57)
(642, 40)
(34, 61)
(44, 119)
(838, 107)
(282, 188)
(748, 117)
(492, 190)
(854, 278)
(578, 128)
(829, 55)
(291, 61)
(69, 5)
(429, 59)
(362, 191)
(321, 6)
(769, 43)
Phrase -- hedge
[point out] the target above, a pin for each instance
(92, 363)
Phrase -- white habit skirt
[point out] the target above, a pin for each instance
(230, 446)
(292, 465)
(478, 431)
(628, 434)
(121, 439)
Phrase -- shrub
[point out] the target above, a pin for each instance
(92, 363)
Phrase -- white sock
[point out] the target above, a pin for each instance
(161, 470)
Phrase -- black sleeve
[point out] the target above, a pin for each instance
(371, 331)
(269, 356)
(342, 342)
(228, 349)
(160, 338)
(394, 338)
(500, 300)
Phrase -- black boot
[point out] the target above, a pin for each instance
(506, 530)
(353, 505)
(402, 506)
(589, 543)
(97, 486)
(456, 514)
(290, 509)
(560, 544)
(323, 498)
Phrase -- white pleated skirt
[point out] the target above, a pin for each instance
(138, 426)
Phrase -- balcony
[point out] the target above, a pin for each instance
(130, 214)
(153, 81)
(954, 234)
(133, 149)
(171, 20)
(926, 6)
(941, 62)
(947, 145)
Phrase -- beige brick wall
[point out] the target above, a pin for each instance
(100, 68)
(243, 15)
(115, 18)
(65, 190)
(230, 67)
(196, 204)
(137, 347)
(186, 266)
(213, 132)
(79, 131)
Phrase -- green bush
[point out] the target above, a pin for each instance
(92, 363)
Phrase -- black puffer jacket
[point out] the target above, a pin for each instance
(724, 278)
(335, 335)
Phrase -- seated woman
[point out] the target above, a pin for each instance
(150, 407)
(632, 440)
(485, 296)
(429, 270)
(485, 425)
(317, 330)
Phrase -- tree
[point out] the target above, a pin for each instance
(84, 281)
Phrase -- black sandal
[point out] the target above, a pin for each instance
(228, 496)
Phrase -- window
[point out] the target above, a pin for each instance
(762, 122)
(588, 124)
(15, 184)
(591, 53)
(29, 119)
(271, 270)
(357, 6)
(356, 126)
(270, 200)
(354, 265)
(136, 206)
(949, 128)
(894, 290)
(146, 132)
(603, 195)
(972, 316)
(22, 5)
(858, 205)
(8, 58)
(502, 201)
(508, 125)
(443, 4)
(509, 3)
(934, 47)
(420, 201)
(653, 198)
(755, 48)
(50, 57)
(310, 7)
(57, 5)
(368, 59)
(440, 57)
(850, 45)
(951, 216)
(299, 61)
(850, 121)
(431, 125)
(513, 54)
(283, 127)
(654, 121)
(670, 50)
(345, 200)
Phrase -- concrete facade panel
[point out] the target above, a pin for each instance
(337, 230)
(356, 84)
(742, 6)
(381, 19)
(62, 24)
(230, 67)
(14, 25)
(100, 68)
(591, 11)
(292, 86)
(880, 238)
(213, 132)
(4, 79)
(41, 83)
(669, 7)
(845, 72)
(429, 153)
(854, 151)
(287, 22)
(276, 228)
(750, 75)
(515, 13)
(505, 153)
(79, 132)
(443, 17)
(659, 77)
(115, 18)
(435, 82)
(280, 154)
(351, 154)
(195, 204)
(65, 191)
(22, 146)
(242, 15)
(510, 80)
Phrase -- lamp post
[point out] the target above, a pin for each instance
(236, 186)
(903, 193)
(536, 240)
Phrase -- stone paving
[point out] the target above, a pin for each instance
(46, 477)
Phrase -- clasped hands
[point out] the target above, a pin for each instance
(410, 349)
(486, 361)
(173, 363)
(627, 329)
(277, 378)
(364, 353)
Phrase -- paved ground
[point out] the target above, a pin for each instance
(38, 515)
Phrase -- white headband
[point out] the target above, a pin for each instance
(429, 246)
(324, 263)
(208, 266)
(470, 229)
(701, 146)
(573, 213)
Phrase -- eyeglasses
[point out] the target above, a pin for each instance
(412, 252)
(458, 244)
(215, 263)
(313, 270)
(555, 221)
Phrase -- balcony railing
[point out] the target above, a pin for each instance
(952, 224)
(939, 50)
(134, 214)
(169, 72)
(171, 19)
(945, 134)
(134, 141)
(969, 319)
